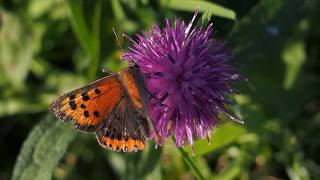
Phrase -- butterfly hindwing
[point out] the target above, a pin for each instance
(135, 87)
(124, 130)
(88, 106)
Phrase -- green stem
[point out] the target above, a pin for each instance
(191, 163)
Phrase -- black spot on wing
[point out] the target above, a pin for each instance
(86, 114)
(96, 113)
(97, 91)
(72, 97)
(85, 96)
(73, 104)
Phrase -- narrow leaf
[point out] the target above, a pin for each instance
(204, 6)
(80, 26)
(118, 10)
(95, 56)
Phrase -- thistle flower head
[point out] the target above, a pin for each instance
(188, 73)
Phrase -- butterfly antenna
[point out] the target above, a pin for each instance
(117, 38)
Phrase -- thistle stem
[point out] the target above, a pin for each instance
(191, 163)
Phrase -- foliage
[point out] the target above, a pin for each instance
(50, 47)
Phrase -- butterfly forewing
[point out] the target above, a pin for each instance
(88, 106)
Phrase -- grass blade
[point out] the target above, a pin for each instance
(80, 26)
(96, 19)
(204, 6)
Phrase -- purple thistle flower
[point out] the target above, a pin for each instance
(188, 74)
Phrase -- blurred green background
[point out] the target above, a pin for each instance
(48, 47)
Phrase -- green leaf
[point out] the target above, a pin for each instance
(125, 165)
(231, 172)
(88, 37)
(42, 150)
(150, 159)
(204, 6)
(206, 17)
(18, 105)
(298, 170)
(294, 57)
(96, 22)
(118, 10)
(37, 8)
(155, 174)
(48, 141)
(80, 25)
(221, 137)
(258, 42)
(16, 48)
(313, 168)
(117, 162)
(202, 163)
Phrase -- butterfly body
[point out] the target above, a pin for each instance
(114, 107)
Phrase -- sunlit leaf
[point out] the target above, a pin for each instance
(38, 8)
(204, 6)
(15, 105)
(118, 10)
(221, 136)
(17, 43)
(294, 56)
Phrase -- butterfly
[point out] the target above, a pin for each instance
(114, 107)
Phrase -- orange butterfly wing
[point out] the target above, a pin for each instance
(112, 107)
(136, 89)
(129, 82)
(124, 130)
(88, 106)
